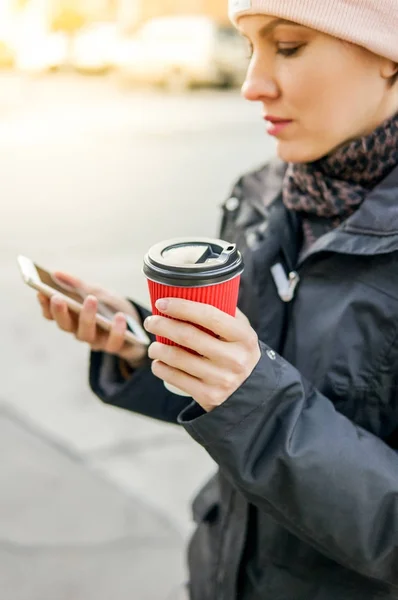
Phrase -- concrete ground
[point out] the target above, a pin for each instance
(68, 533)
(94, 501)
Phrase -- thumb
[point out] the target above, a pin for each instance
(68, 282)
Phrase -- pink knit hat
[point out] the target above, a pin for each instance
(372, 24)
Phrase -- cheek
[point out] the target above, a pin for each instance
(330, 107)
(312, 95)
(343, 106)
(311, 100)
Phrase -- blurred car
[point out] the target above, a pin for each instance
(41, 53)
(181, 52)
(94, 47)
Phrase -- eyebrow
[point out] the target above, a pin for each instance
(270, 27)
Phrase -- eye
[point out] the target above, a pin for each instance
(287, 51)
(250, 50)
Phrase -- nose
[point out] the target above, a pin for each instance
(259, 84)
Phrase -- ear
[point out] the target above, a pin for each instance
(389, 69)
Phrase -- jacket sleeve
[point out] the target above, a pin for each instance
(290, 453)
(143, 393)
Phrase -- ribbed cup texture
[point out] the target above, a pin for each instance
(372, 24)
(223, 296)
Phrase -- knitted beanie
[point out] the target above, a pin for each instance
(372, 24)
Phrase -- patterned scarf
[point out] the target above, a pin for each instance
(329, 190)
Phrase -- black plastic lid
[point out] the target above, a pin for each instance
(193, 262)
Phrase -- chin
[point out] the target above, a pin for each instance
(294, 152)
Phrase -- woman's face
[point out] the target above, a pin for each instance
(328, 91)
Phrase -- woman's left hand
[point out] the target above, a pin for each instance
(223, 363)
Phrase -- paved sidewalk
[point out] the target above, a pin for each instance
(68, 534)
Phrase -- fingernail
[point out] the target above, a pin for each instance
(162, 304)
(147, 322)
(57, 300)
(91, 301)
(120, 321)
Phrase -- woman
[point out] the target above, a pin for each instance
(299, 406)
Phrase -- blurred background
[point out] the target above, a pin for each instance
(121, 124)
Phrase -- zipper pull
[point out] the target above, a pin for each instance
(286, 286)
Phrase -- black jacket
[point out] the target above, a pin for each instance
(305, 505)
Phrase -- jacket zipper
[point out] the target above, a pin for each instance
(286, 280)
(285, 284)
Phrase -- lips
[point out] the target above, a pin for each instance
(276, 124)
(272, 119)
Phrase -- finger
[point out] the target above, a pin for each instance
(186, 383)
(180, 359)
(115, 340)
(242, 317)
(61, 314)
(45, 306)
(101, 338)
(67, 281)
(207, 316)
(188, 336)
(87, 327)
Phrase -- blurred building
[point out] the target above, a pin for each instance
(135, 12)
(92, 10)
(99, 10)
(129, 13)
(154, 8)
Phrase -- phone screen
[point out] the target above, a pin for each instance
(47, 279)
(105, 311)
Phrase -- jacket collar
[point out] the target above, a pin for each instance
(372, 229)
(378, 214)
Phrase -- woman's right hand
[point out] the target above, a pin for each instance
(84, 327)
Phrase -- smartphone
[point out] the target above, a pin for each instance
(44, 282)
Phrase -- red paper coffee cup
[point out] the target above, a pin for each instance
(198, 269)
